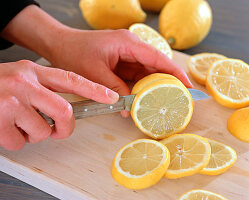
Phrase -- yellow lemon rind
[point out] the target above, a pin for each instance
(149, 79)
(220, 98)
(186, 194)
(154, 85)
(199, 78)
(175, 174)
(220, 170)
(148, 29)
(238, 124)
(142, 181)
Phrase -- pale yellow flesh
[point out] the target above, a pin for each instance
(220, 156)
(153, 38)
(202, 196)
(163, 110)
(231, 80)
(202, 64)
(141, 158)
(185, 153)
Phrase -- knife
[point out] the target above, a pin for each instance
(88, 108)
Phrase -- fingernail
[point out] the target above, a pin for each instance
(113, 95)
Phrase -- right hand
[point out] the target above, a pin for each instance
(25, 87)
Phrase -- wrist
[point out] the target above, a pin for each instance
(34, 29)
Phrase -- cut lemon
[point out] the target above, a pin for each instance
(228, 82)
(222, 158)
(238, 124)
(201, 195)
(151, 37)
(140, 164)
(149, 79)
(162, 108)
(199, 64)
(189, 153)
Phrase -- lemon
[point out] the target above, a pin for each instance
(185, 23)
(149, 79)
(155, 5)
(238, 124)
(201, 194)
(199, 64)
(140, 164)
(111, 14)
(162, 108)
(189, 153)
(151, 37)
(222, 158)
(228, 82)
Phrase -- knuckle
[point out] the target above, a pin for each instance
(72, 78)
(66, 111)
(10, 101)
(25, 63)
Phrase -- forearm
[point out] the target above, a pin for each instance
(34, 29)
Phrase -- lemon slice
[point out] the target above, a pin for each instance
(199, 64)
(222, 158)
(162, 108)
(201, 195)
(151, 37)
(140, 163)
(189, 153)
(149, 79)
(228, 82)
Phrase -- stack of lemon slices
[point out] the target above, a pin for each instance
(144, 162)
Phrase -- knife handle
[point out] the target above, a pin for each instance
(88, 108)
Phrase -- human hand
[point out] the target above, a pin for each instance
(110, 57)
(26, 87)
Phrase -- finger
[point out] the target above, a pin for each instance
(69, 82)
(152, 58)
(11, 139)
(36, 128)
(118, 85)
(132, 71)
(55, 107)
(112, 81)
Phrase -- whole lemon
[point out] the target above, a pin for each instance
(154, 6)
(238, 124)
(111, 14)
(185, 23)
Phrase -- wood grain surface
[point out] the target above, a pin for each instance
(78, 167)
(229, 36)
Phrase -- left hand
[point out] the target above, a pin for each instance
(110, 57)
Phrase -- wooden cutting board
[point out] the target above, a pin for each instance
(79, 167)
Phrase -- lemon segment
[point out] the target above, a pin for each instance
(238, 124)
(151, 37)
(162, 108)
(201, 194)
(140, 164)
(222, 158)
(199, 64)
(189, 153)
(228, 82)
